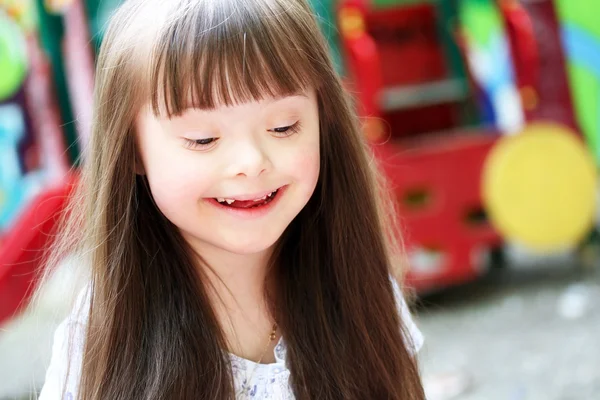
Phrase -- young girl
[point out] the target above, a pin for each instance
(238, 240)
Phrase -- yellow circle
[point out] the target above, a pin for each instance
(539, 187)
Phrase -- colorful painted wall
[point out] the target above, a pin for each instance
(580, 21)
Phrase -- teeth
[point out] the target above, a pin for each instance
(223, 201)
(229, 201)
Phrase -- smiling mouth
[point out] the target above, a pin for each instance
(245, 204)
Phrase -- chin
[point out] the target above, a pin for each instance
(249, 247)
(236, 243)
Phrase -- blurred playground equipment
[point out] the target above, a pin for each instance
(38, 142)
(469, 107)
(483, 114)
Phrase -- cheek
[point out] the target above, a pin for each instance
(168, 191)
(305, 165)
(309, 164)
(175, 181)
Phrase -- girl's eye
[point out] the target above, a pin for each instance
(285, 131)
(200, 144)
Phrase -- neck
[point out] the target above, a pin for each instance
(238, 277)
(234, 279)
(236, 286)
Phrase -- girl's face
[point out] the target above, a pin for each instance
(233, 178)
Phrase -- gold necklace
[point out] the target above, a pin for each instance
(246, 387)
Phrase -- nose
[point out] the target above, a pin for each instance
(249, 159)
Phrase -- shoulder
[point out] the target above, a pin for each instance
(412, 334)
(62, 375)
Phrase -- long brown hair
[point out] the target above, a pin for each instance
(151, 330)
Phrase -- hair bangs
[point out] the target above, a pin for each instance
(256, 51)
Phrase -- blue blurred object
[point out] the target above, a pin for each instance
(491, 64)
(16, 186)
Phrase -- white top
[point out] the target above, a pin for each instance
(268, 381)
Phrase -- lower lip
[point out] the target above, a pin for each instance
(252, 212)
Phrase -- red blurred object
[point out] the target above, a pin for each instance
(437, 185)
(399, 73)
(22, 249)
(539, 60)
(399, 68)
(523, 43)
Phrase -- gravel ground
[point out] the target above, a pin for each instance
(516, 335)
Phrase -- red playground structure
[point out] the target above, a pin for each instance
(425, 113)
